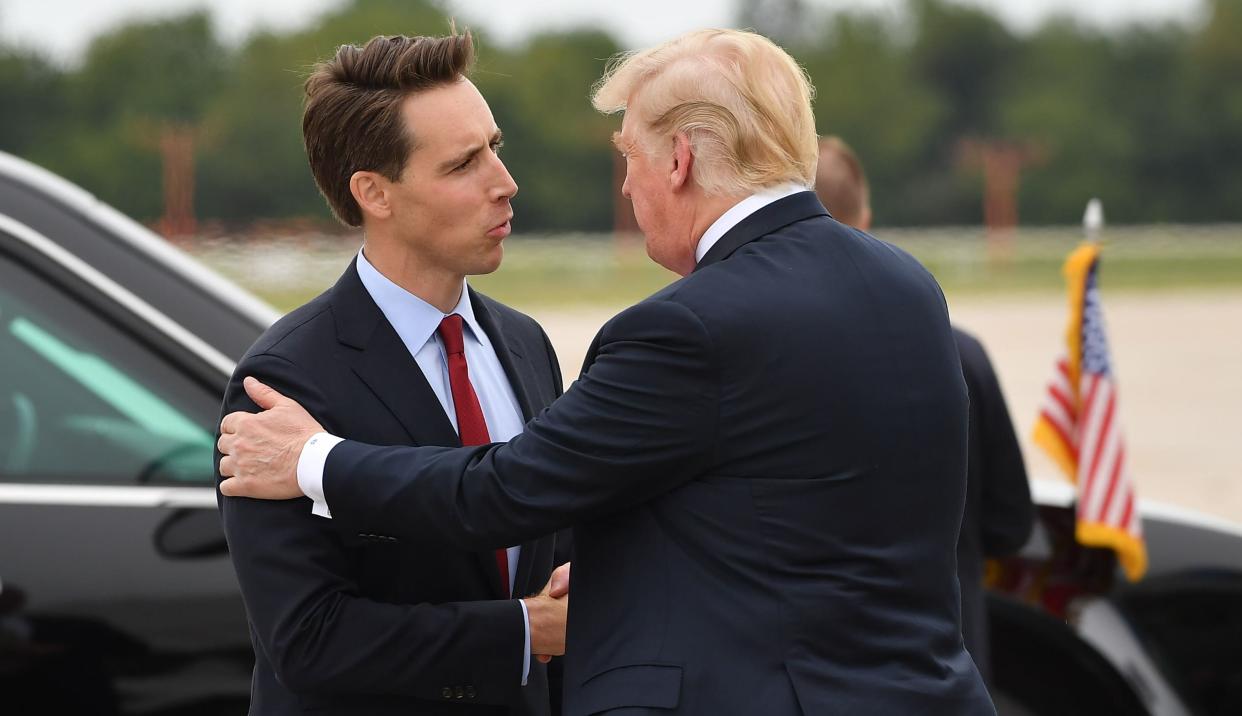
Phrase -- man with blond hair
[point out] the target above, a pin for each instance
(764, 462)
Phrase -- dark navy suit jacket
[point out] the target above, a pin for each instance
(344, 621)
(999, 512)
(765, 467)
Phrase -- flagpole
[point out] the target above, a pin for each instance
(1093, 220)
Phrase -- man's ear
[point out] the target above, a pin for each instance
(864, 222)
(370, 190)
(683, 162)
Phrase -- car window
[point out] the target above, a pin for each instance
(83, 401)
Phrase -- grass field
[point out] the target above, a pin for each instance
(595, 270)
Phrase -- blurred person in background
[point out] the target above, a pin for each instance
(999, 512)
(765, 489)
(401, 351)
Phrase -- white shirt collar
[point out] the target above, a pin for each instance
(741, 210)
(414, 319)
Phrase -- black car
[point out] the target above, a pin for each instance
(116, 595)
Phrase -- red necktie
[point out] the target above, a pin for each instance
(471, 425)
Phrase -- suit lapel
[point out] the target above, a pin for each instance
(384, 363)
(389, 370)
(508, 350)
(776, 215)
(520, 373)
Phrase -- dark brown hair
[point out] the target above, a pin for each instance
(352, 120)
(841, 182)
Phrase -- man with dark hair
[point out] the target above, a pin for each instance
(400, 352)
(999, 513)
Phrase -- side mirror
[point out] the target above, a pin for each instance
(191, 534)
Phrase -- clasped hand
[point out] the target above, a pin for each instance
(548, 611)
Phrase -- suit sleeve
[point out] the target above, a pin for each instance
(308, 618)
(1007, 512)
(564, 550)
(639, 422)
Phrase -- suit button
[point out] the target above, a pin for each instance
(470, 692)
(446, 692)
(461, 693)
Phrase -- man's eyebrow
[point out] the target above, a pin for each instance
(459, 159)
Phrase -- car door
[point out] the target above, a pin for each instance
(116, 594)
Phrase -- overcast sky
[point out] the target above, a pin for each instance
(63, 27)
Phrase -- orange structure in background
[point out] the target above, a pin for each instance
(176, 144)
(1002, 163)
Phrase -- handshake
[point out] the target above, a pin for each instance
(547, 611)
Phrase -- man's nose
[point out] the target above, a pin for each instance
(505, 187)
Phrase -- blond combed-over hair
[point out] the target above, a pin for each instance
(742, 101)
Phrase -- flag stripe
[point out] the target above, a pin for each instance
(1057, 393)
(1097, 492)
(1128, 514)
(1117, 506)
(1089, 435)
(1118, 490)
(1131, 521)
(1106, 444)
(1060, 433)
(1056, 413)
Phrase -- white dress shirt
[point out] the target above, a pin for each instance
(416, 323)
(739, 211)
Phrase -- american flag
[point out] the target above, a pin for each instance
(1079, 424)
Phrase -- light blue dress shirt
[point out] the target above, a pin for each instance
(416, 323)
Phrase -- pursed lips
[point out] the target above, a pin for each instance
(502, 228)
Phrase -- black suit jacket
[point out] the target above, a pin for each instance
(342, 620)
(765, 465)
(999, 512)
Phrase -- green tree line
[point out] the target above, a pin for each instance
(1149, 118)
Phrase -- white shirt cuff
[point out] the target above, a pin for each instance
(310, 471)
(525, 649)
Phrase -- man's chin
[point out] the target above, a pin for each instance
(680, 265)
(489, 263)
